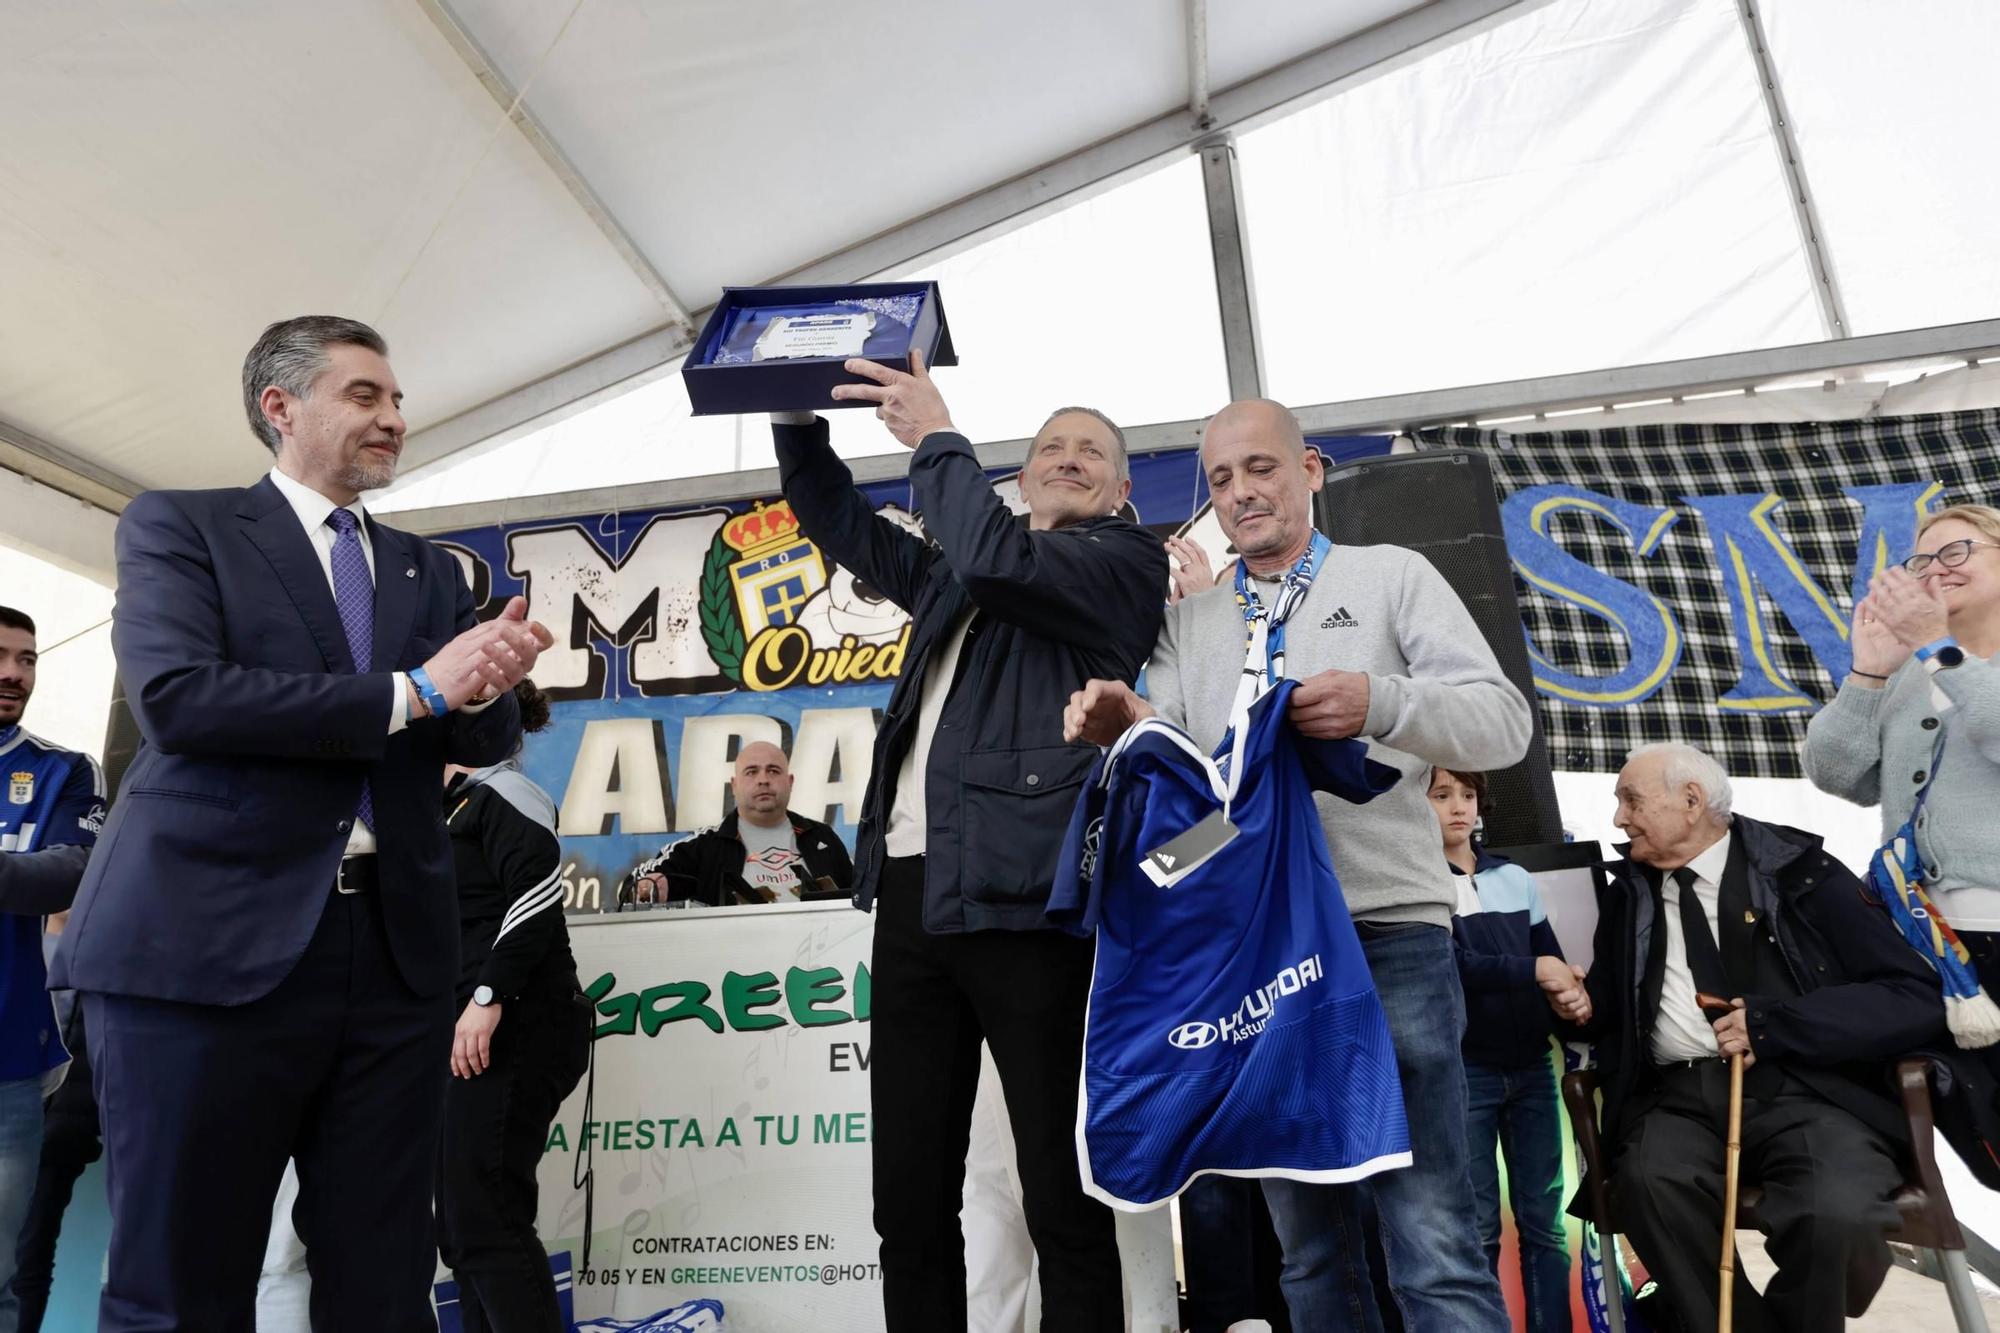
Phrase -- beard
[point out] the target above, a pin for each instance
(361, 474)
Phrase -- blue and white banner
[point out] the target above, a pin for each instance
(1696, 582)
(682, 634)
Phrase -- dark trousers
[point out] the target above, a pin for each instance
(495, 1127)
(1826, 1179)
(1231, 1256)
(340, 1067)
(70, 1143)
(935, 998)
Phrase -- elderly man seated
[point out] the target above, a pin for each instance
(1823, 993)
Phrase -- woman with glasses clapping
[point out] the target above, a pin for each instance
(1924, 645)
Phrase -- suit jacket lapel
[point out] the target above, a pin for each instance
(274, 527)
(395, 594)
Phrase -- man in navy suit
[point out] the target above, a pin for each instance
(267, 937)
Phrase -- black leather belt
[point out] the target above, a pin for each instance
(357, 875)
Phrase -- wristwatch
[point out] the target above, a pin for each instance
(1943, 654)
(483, 996)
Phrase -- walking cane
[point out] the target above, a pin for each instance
(1732, 1150)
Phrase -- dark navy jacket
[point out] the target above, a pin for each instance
(257, 731)
(1864, 996)
(1053, 610)
(1507, 1018)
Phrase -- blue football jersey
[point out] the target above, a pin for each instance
(51, 797)
(1233, 1026)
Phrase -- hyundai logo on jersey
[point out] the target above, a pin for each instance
(1193, 1036)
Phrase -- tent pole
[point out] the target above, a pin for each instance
(1832, 313)
(1229, 250)
(509, 100)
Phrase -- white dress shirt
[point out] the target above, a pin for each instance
(1680, 1031)
(908, 831)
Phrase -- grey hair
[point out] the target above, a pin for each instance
(1124, 464)
(291, 354)
(1685, 764)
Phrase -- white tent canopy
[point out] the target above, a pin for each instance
(536, 202)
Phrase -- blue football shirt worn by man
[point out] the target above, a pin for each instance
(266, 940)
(1385, 651)
(53, 806)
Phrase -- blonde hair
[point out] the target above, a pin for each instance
(1984, 517)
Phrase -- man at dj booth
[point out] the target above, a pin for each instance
(763, 851)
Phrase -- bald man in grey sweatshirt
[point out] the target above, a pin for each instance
(1384, 651)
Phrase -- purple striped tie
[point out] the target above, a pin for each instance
(354, 594)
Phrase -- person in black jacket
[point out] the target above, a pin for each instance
(964, 817)
(522, 1041)
(1823, 994)
(762, 851)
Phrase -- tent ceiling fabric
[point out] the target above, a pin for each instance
(1563, 186)
(1599, 177)
(175, 177)
(1894, 122)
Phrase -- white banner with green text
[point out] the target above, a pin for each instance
(728, 1124)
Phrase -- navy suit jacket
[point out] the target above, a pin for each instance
(220, 853)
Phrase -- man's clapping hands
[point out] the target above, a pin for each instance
(490, 658)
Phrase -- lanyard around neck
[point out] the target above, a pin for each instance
(1264, 629)
(1264, 645)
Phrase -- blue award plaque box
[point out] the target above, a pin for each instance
(783, 349)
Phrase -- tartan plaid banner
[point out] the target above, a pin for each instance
(1696, 582)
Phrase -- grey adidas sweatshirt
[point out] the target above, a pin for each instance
(1435, 696)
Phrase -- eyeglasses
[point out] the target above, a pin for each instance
(1951, 555)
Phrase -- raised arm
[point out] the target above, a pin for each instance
(1843, 750)
(820, 488)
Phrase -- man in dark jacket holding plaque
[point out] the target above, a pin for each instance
(964, 817)
(1823, 993)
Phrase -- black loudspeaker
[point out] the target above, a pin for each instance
(1443, 506)
(121, 739)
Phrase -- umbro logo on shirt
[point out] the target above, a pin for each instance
(1339, 620)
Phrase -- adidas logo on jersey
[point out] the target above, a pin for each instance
(1339, 620)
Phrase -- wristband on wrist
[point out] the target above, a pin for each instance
(1866, 675)
(1943, 653)
(433, 696)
